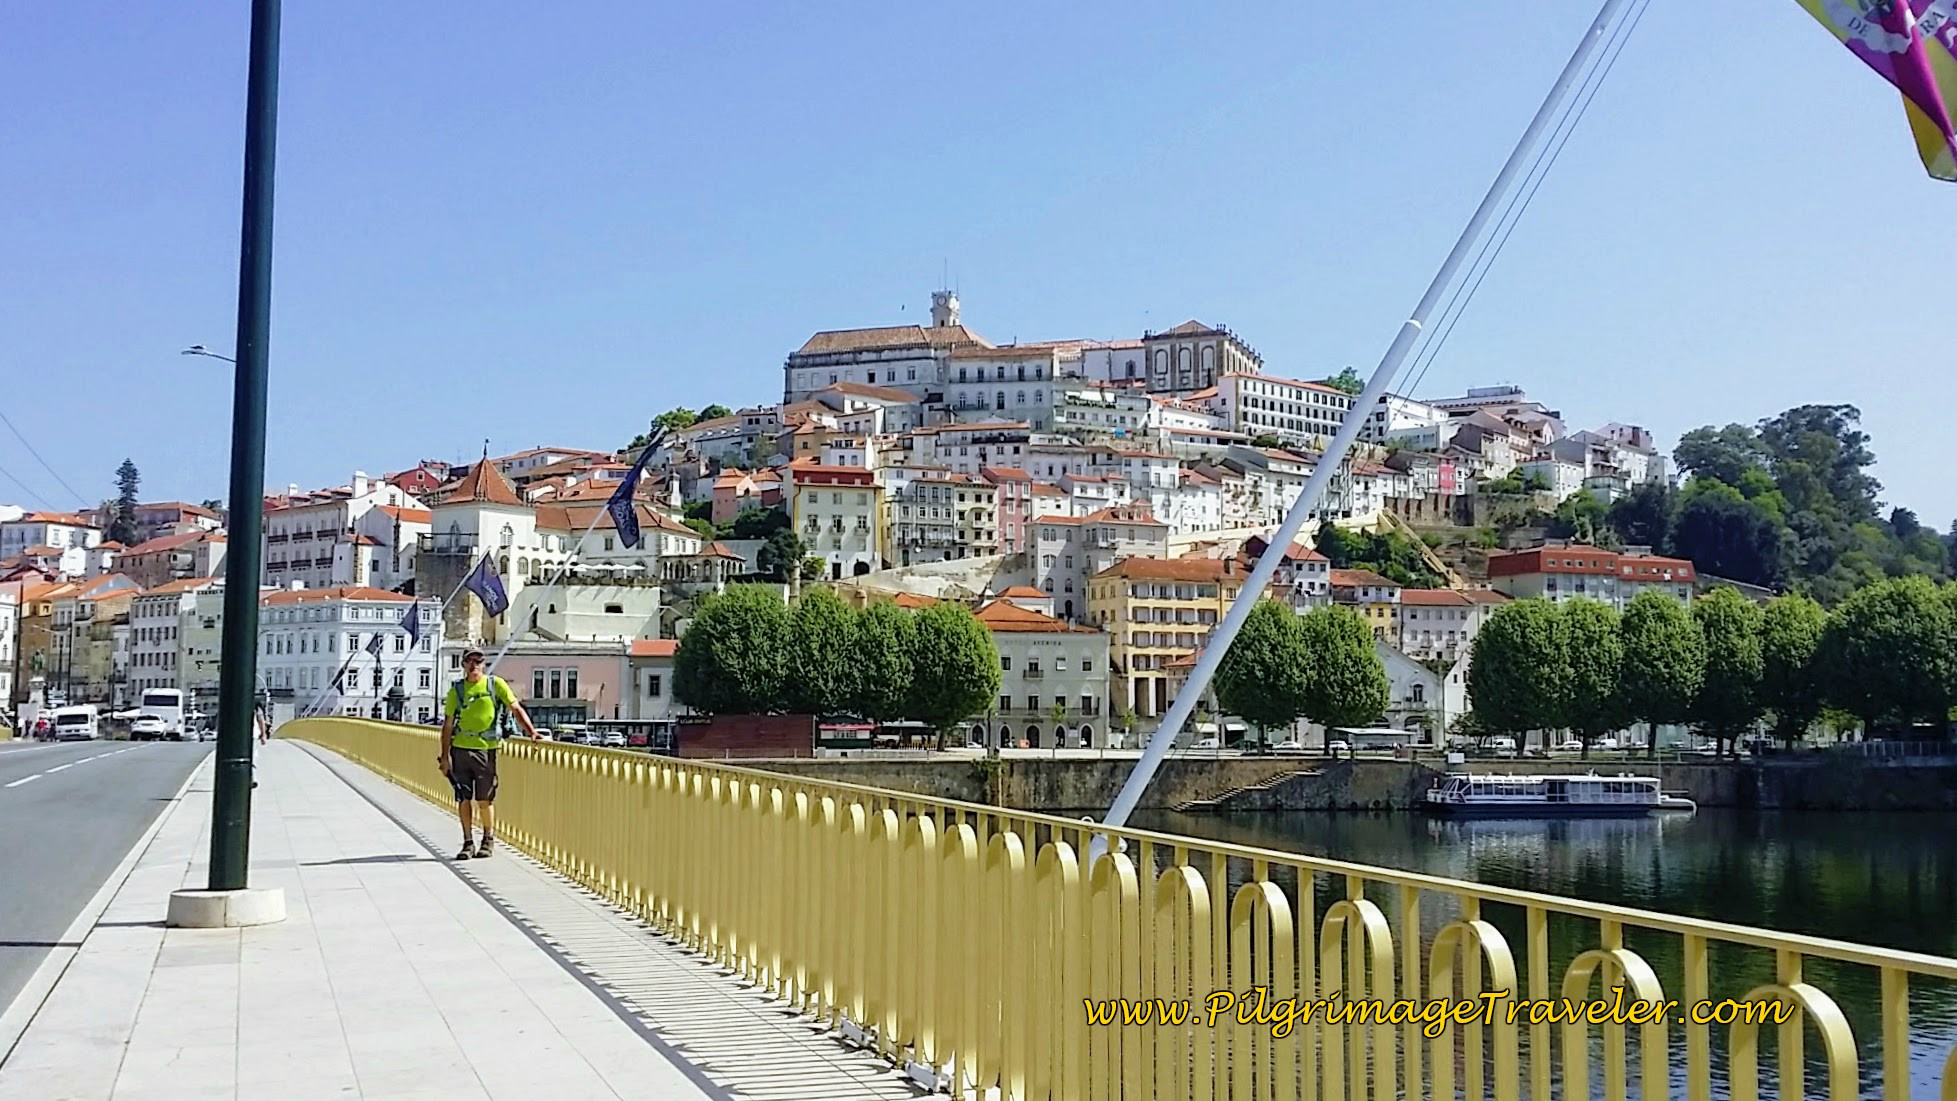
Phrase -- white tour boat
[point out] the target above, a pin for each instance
(1587, 795)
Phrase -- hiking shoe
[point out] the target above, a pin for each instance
(466, 852)
(487, 847)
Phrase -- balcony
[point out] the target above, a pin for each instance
(461, 544)
(1033, 672)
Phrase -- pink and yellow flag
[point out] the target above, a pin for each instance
(1913, 44)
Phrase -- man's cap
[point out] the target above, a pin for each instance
(471, 652)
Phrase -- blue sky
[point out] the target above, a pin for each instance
(545, 223)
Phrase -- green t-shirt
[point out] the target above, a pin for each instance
(475, 712)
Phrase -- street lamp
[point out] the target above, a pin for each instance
(200, 350)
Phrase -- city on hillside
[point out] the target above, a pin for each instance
(1096, 503)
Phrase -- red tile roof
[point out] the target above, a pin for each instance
(484, 483)
(1434, 598)
(1167, 569)
(655, 647)
(1347, 579)
(1025, 592)
(865, 390)
(1004, 615)
(406, 515)
(185, 585)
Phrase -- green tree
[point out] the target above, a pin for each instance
(954, 667)
(214, 504)
(1347, 380)
(1346, 682)
(1593, 706)
(1468, 725)
(1643, 517)
(1888, 653)
(122, 522)
(733, 660)
(755, 522)
(1664, 662)
(1582, 517)
(1056, 716)
(822, 675)
(1727, 535)
(1520, 672)
(882, 656)
(813, 567)
(1267, 441)
(1790, 681)
(703, 528)
(1722, 454)
(1728, 703)
(781, 556)
(714, 412)
(1264, 677)
(680, 417)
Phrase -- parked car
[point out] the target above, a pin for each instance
(1571, 745)
(1338, 746)
(1289, 745)
(614, 741)
(146, 729)
(1205, 743)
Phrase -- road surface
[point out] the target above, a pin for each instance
(69, 813)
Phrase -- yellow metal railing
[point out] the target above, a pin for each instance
(972, 940)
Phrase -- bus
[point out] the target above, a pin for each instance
(165, 705)
(77, 723)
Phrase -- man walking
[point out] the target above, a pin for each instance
(481, 710)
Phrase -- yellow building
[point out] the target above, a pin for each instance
(1375, 598)
(1157, 610)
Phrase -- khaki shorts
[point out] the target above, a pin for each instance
(472, 773)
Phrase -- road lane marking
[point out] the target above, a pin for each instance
(25, 780)
(60, 768)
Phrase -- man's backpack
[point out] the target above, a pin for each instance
(503, 725)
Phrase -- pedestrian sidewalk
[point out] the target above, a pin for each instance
(391, 977)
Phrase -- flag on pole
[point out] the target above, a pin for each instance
(374, 644)
(622, 506)
(411, 623)
(1913, 45)
(487, 584)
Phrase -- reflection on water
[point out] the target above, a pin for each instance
(1887, 880)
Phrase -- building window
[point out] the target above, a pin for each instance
(556, 684)
(1032, 703)
(427, 678)
(571, 683)
(614, 609)
(654, 684)
(1005, 703)
(536, 684)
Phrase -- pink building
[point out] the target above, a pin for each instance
(569, 682)
(1015, 505)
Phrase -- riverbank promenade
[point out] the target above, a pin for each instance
(396, 974)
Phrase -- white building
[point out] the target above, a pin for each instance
(1086, 409)
(1067, 550)
(652, 696)
(911, 358)
(1418, 698)
(938, 515)
(838, 513)
(305, 533)
(1557, 477)
(1116, 361)
(1053, 680)
(1399, 417)
(1012, 383)
(482, 516)
(313, 646)
(157, 620)
(1442, 623)
(1294, 411)
(61, 530)
(200, 642)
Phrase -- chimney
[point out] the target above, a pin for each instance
(359, 483)
(1229, 567)
(292, 489)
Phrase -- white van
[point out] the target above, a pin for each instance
(166, 706)
(78, 723)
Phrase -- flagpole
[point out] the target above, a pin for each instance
(313, 707)
(1280, 542)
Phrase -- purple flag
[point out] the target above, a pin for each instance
(411, 623)
(624, 510)
(487, 584)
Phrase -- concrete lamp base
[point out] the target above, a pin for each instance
(226, 909)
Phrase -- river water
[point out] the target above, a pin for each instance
(1881, 879)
